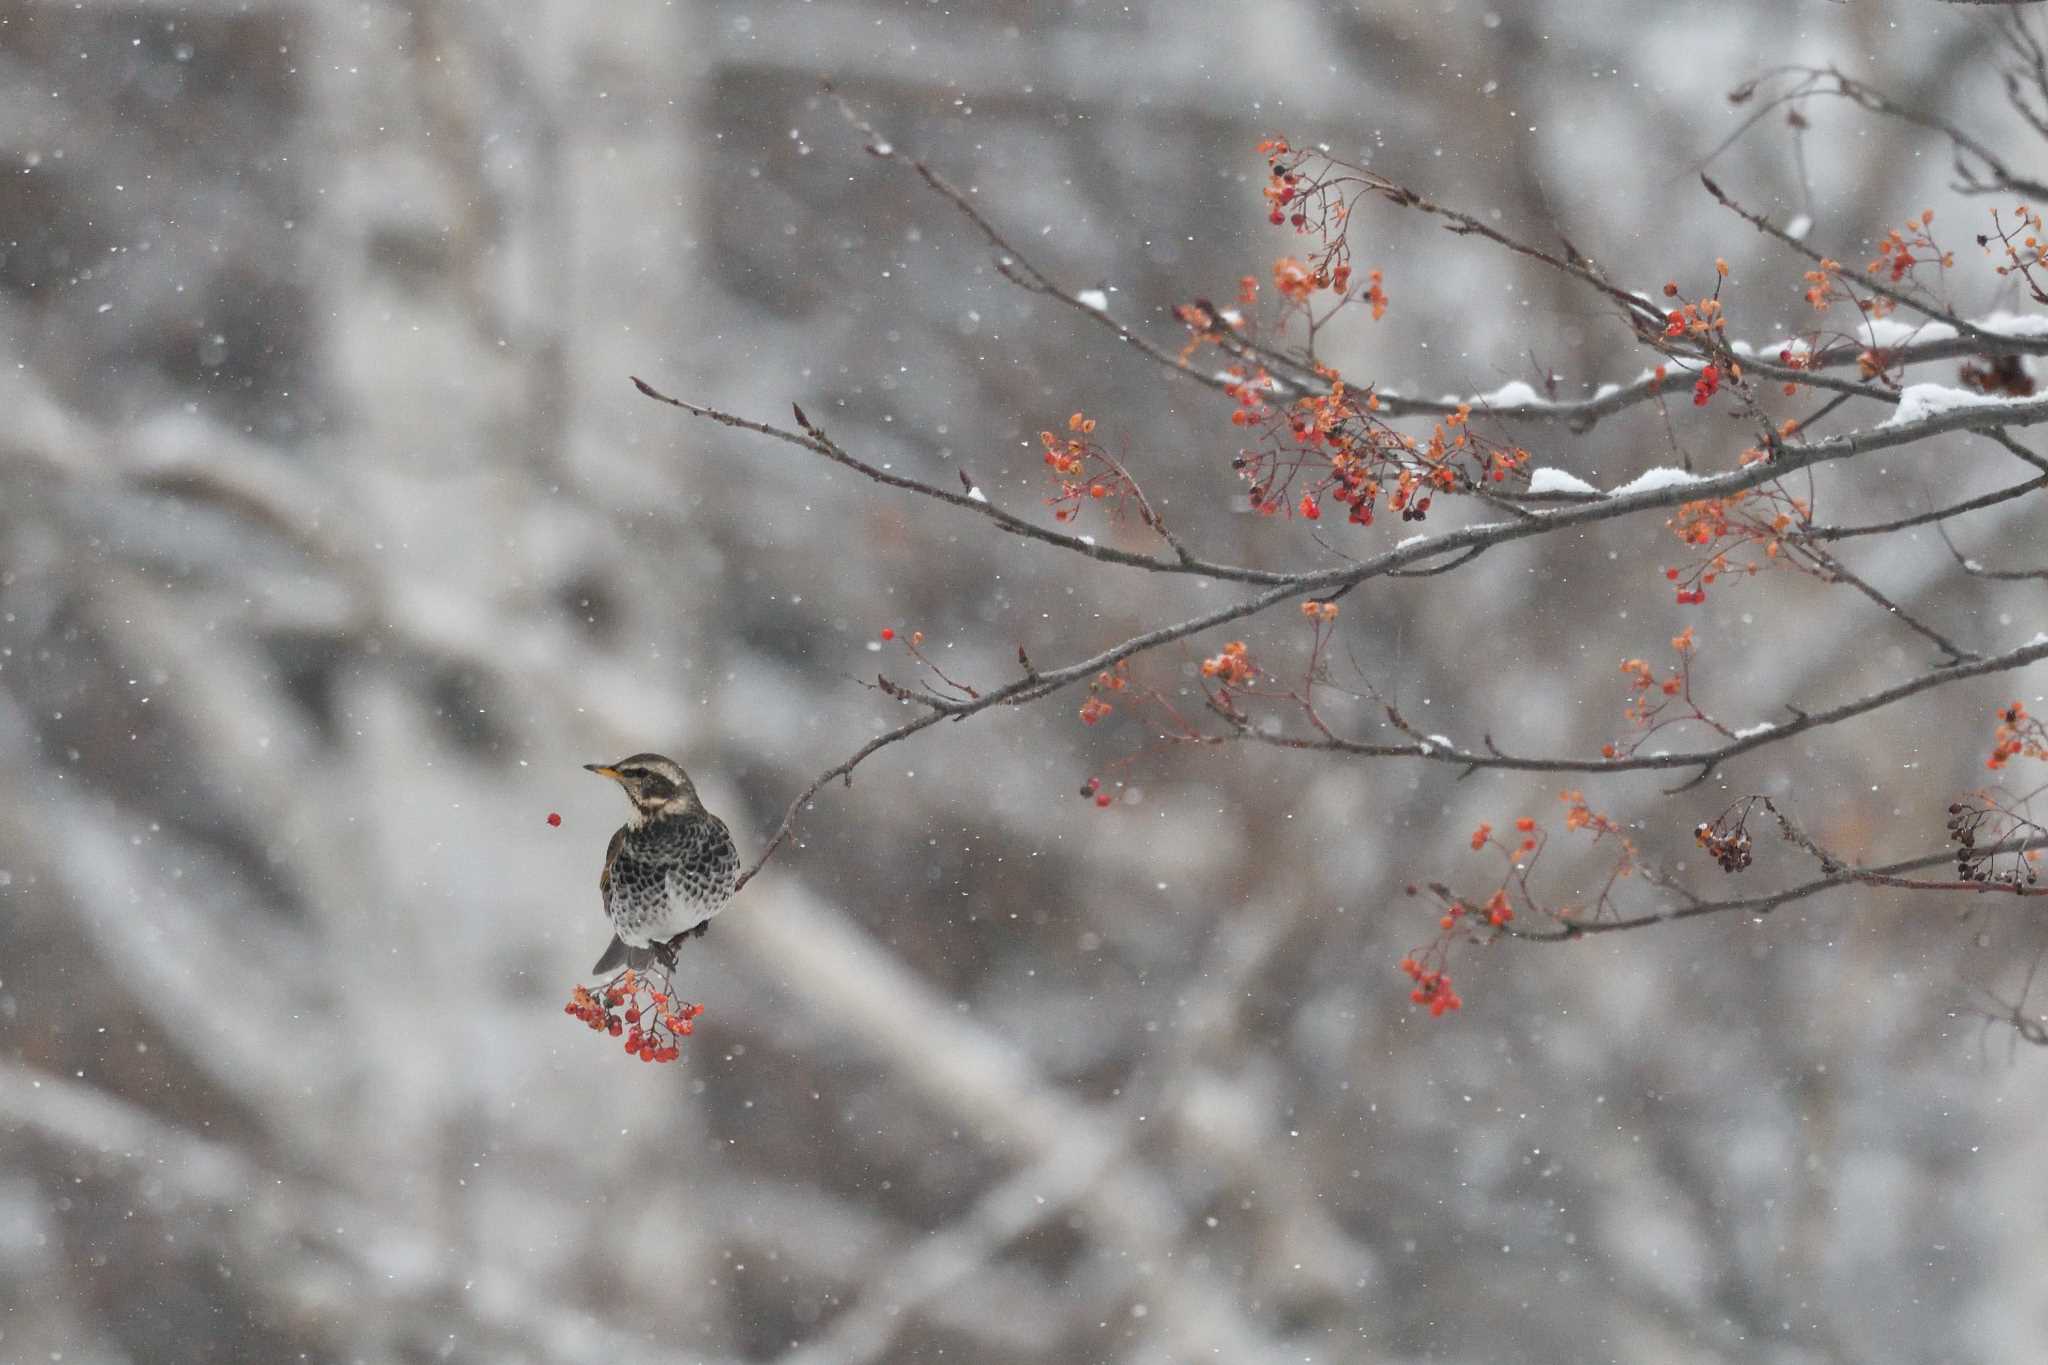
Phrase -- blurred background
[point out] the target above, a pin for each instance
(333, 539)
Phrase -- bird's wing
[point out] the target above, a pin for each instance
(726, 851)
(604, 878)
(702, 864)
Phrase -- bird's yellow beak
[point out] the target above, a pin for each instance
(602, 771)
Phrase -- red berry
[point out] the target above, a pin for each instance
(633, 1015)
(1102, 798)
(888, 633)
(647, 1052)
(555, 819)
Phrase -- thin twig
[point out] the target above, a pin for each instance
(1986, 341)
(1890, 875)
(1840, 573)
(1939, 514)
(812, 437)
(1436, 751)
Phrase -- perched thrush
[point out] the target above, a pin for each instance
(668, 871)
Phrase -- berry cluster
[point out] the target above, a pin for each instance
(1308, 192)
(1332, 441)
(1898, 252)
(629, 1005)
(1822, 285)
(1248, 390)
(1085, 471)
(1991, 843)
(1282, 186)
(2019, 735)
(1706, 386)
(1097, 704)
(1479, 922)
(1338, 445)
(2024, 245)
(1704, 320)
(1432, 988)
(1656, 702)
(1232, 667)
(1578, 815)
(1730, 847)
(1763, 522)
(1093, 788)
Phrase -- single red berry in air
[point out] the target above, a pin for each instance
(888, 633)
(554, 819)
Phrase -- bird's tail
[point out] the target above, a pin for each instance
(620, 955)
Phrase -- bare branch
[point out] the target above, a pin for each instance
(813, 438)
(1985, 340)
(2001, 177)
(1435, 751)
(1840, 573)
(1936, 516)
(1890, 875)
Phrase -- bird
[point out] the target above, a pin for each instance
(670, 868)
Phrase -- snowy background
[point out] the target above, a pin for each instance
(333, 539)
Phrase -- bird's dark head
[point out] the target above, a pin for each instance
(655, 785)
